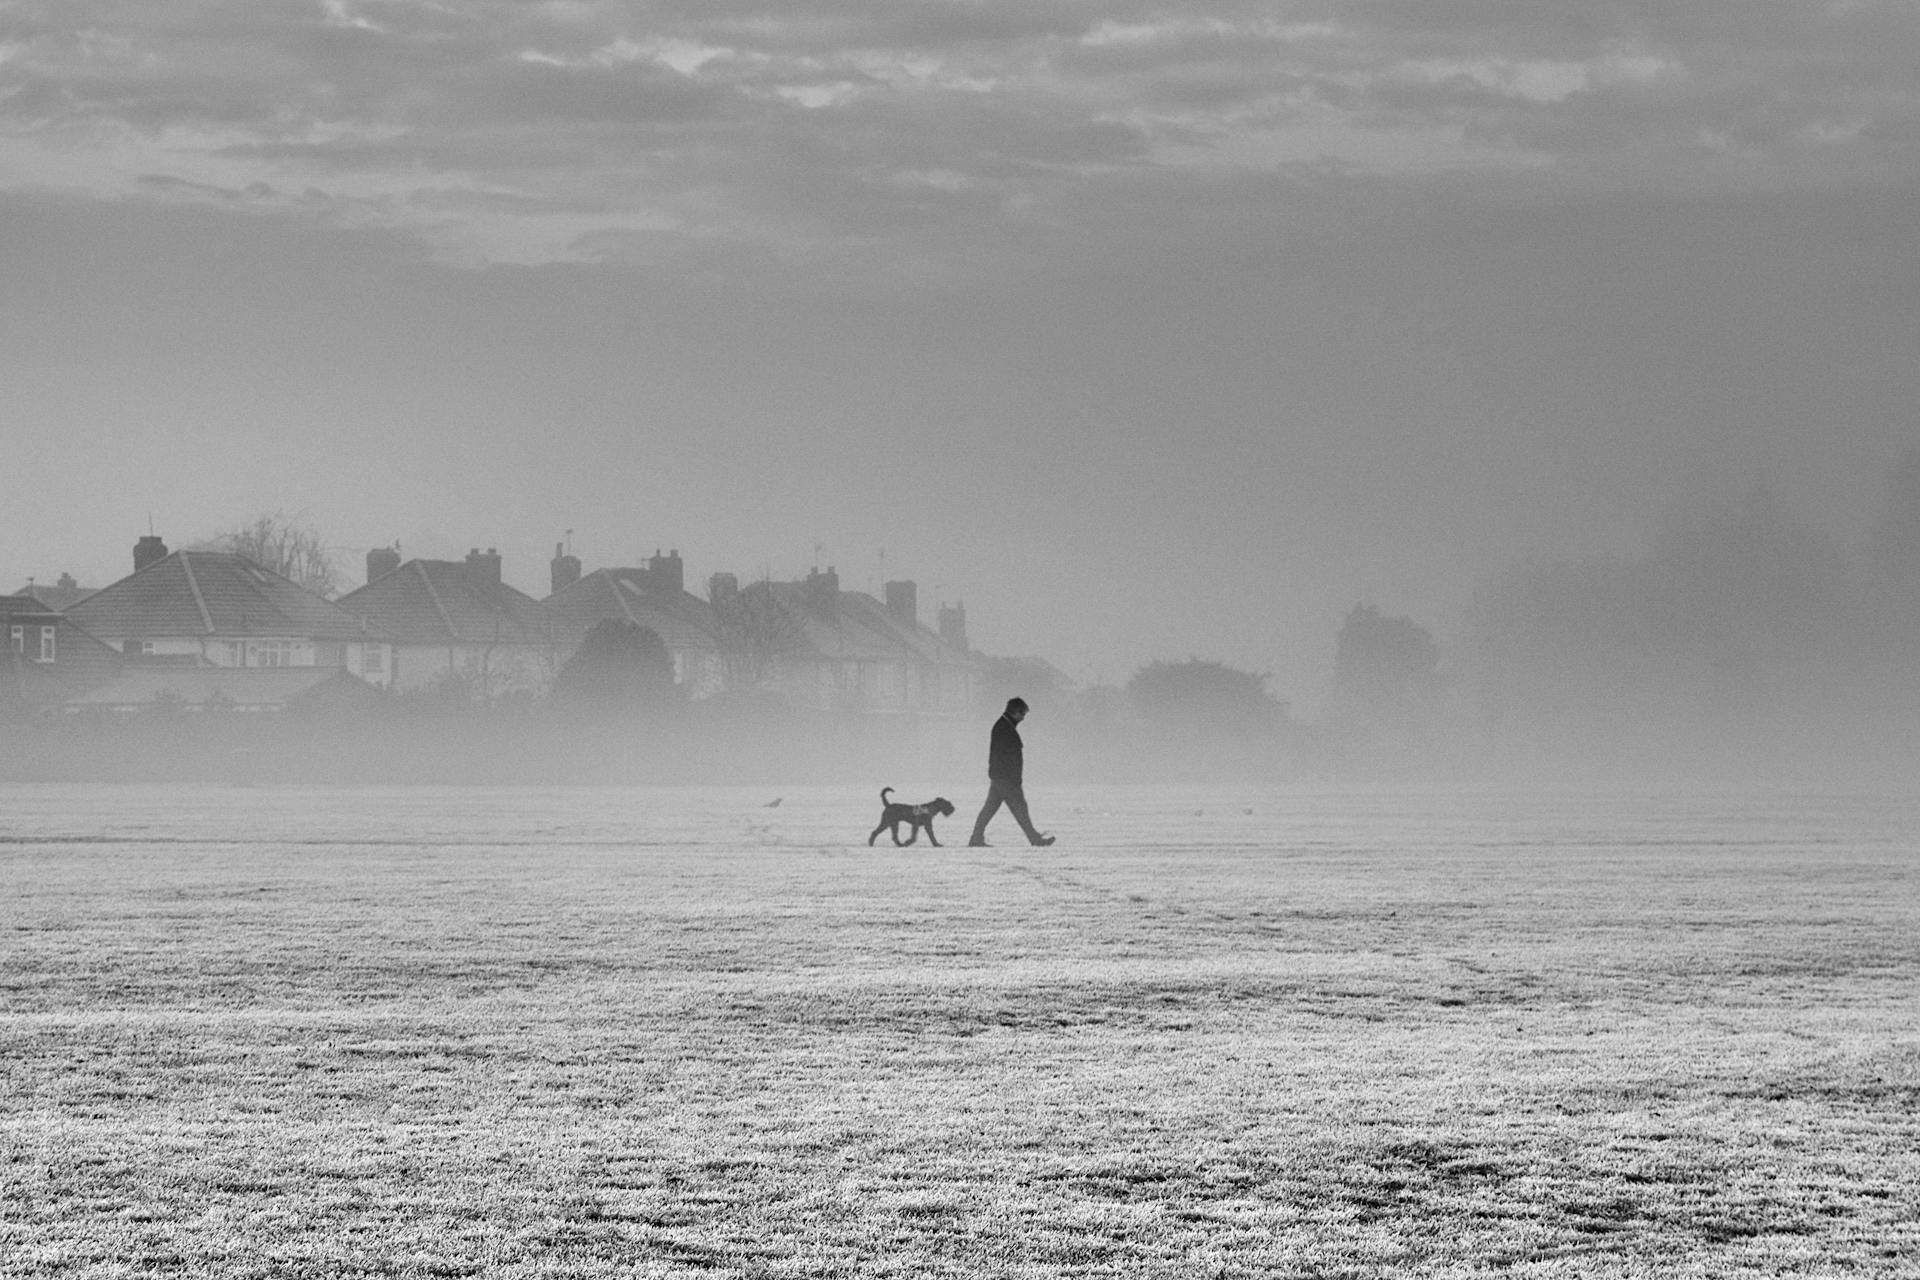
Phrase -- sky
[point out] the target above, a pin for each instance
(1145, 331)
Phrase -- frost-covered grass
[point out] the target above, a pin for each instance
(1225, 1032)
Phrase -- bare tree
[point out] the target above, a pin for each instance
(758, 636)
(286, 545)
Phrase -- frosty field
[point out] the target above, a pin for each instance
(1214, 1032)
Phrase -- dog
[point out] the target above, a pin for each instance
(918, 817)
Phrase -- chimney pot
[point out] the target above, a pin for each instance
(565, 568)
(903, 603)
(484, 568)
(149, 550)
(953, 625)
(382, 561)
(666, 572)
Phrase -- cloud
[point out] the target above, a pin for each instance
(813, 125)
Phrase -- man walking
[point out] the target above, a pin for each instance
(1003, 778)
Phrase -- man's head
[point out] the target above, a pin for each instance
(1016, 709)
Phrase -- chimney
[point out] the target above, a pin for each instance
(484, 569)
(149, 550)
(666, 572)
(723, 589)
(382, 561)
(953, 626)
(566, 568)
(823, 590)
(903, 603)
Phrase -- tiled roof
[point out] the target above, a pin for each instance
(856, 628)
(243, 688)
(55, 597)
(923, 643)
(447, 602)
(24, 605)
(682, 621)
(212, 593)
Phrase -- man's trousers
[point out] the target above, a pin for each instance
(999, 792)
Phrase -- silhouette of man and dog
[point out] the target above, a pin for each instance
(1005, 773)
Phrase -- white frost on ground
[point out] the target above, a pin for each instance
(1218, 1031)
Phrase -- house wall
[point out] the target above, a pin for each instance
(74, 658)
(271, 651)
(371, 661)
(884, 687)
(944, 691)
(224, 651)
(490, 671)
(35, 638)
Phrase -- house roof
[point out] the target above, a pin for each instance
(857, 627)
(449, 602)
(242, 688)
(59, 596)
(22, 605)
(682, 620)
(212, 593)
(923, 643)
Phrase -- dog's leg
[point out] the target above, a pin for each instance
(930, 840)
(913, 833)
(876, 831)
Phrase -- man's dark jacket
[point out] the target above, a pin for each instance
(1003, 756)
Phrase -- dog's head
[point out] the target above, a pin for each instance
(941, 805)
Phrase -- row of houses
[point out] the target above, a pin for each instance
(201, 628)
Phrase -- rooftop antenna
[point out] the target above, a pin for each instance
(816, 557)
(569, 542)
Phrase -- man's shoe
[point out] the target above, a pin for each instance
(1043, 842)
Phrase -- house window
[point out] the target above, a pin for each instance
(373, 659)
(46, 644)
(271, 653)
(19, 639)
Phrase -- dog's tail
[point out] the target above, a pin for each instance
(884, 793)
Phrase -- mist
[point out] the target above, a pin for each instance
(1440, 317)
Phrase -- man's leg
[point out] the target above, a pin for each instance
(1017, 806)
(987, 810)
